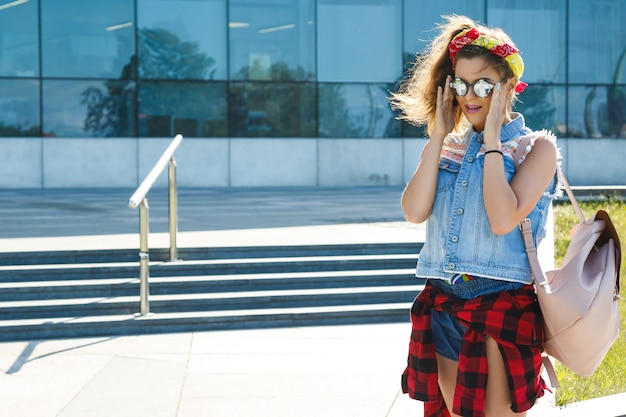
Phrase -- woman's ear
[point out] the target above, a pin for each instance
(511, 83)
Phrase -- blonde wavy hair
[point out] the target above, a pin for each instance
(416, 98)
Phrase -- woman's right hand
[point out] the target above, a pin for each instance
(444, 114)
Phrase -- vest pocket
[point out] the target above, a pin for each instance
(448, 171)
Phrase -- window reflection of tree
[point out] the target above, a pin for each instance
(162, 55)
(276, 106)
(111, 111)
(280, 104)
(368, 118)
(608, 118)
(14, 130)
(616, 100)
(17, 128)
(536, 103)
(335, 120)
(16, 113)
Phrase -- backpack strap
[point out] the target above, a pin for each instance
(549, 367)
(531, 251)
(521, 147)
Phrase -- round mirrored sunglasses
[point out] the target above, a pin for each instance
(482, 87)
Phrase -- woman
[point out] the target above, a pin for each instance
(477, 332)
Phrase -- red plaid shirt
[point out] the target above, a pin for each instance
(512, 318)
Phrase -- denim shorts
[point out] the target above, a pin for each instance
(447, 330)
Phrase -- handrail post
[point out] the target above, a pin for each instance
(173, 208)
(138, 199)
(144, 258)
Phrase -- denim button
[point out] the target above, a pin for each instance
(459, 211)
(470, 159)
(464, 183)
(451, 265)
(455, 239)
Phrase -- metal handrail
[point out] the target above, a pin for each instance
(147, 183)
(139, 199)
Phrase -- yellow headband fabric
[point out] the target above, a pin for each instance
(496, 47)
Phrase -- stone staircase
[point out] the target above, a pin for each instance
(96, 293)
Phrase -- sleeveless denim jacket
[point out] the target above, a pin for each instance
(459, 239)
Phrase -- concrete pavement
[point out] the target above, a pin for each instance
(316, 371)
(334, 371)
(100, 219)
(329, 371)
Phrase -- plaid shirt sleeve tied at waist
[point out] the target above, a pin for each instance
(512, 318)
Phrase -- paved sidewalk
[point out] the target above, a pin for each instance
(32, 220)
(332, 371)
(306, 372)
(54, 213)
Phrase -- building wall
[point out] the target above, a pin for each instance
(278, 92)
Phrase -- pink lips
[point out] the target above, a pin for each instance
(471, 109)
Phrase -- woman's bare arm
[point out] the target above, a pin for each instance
(419, 194)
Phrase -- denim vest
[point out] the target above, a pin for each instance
(459, 239)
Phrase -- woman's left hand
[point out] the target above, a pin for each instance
(495, 118)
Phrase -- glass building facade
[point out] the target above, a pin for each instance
(285, 68)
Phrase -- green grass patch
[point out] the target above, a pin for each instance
(610, 377)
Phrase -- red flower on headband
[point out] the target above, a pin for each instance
(504, 50)
(460, 41)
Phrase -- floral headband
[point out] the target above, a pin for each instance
(496, 47)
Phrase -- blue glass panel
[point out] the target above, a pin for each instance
(597, 111)
(19, 108)
(193, 109)
(356, 111)
(538, 29)
(597, 41)
(543, 107)
(359, 40)
(90, 39)
(420, 28)
(272, 39)
(421, 18)
(264, 109)
(19, 34)
(412, 131)
(94, 108)
(182, 39)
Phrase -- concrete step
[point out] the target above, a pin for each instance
(96, 326)
(116, 287)
(51, 272)
(199, 253)
(73, 294)
(226, 301)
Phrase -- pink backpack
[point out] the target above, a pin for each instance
(580, 300)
